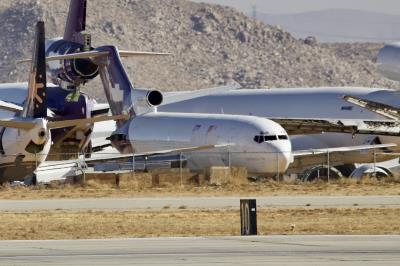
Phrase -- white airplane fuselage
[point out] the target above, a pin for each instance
(15, 159)
(312, 103)
(22, 151)
(163, 131)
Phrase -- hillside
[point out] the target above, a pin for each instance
(211, 45)
(338, 25)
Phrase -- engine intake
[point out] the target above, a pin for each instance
(144, 101)
(75, 71)
(154, 98)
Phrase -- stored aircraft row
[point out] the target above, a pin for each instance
(255, 128)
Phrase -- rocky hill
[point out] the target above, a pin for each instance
(211, 45)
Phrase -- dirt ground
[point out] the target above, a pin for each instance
(184, 222)
(344, 187)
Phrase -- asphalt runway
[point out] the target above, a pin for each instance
(116, 204)
(270, 250)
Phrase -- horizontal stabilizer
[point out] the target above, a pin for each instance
(95, 54)
(123, 53)
(75, 122)
(388, 111)
(17, 123)
(10, 107)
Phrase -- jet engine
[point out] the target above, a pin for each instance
(73, 71)
(144, 101)
(389, 61)
(146, 98)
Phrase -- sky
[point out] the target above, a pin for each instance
(297, 6)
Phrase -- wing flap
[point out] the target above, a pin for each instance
(299, 126)
(388, 111)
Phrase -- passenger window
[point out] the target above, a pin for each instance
(347, 108)
(283, 137)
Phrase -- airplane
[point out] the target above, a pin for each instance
(26, 135)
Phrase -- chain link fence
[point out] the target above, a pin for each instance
(258, 164)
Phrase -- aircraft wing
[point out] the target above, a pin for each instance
(388, 111)
(161, 152)
(10, 107)
(60, 170)
(298, 126)
(305, 158)
(170, 98)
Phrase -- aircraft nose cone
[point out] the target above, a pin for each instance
(283, 153)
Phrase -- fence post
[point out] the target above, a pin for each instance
(133, 166)
(229, 159)
(180, 168)
(84, 168)
(277, 167)
(374, 163)
(329, 166)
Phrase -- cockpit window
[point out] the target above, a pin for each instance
(270, 138)
(283, 137)
(262, 138)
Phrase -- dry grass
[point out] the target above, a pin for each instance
(342, 187)
(76, 225)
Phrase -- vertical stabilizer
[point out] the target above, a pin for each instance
(36, 102)
(76, 21)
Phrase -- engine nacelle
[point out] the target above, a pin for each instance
(144, 101)
(389, 61)
(73, 71)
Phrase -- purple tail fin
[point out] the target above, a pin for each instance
(36, 102)
(76, 21)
